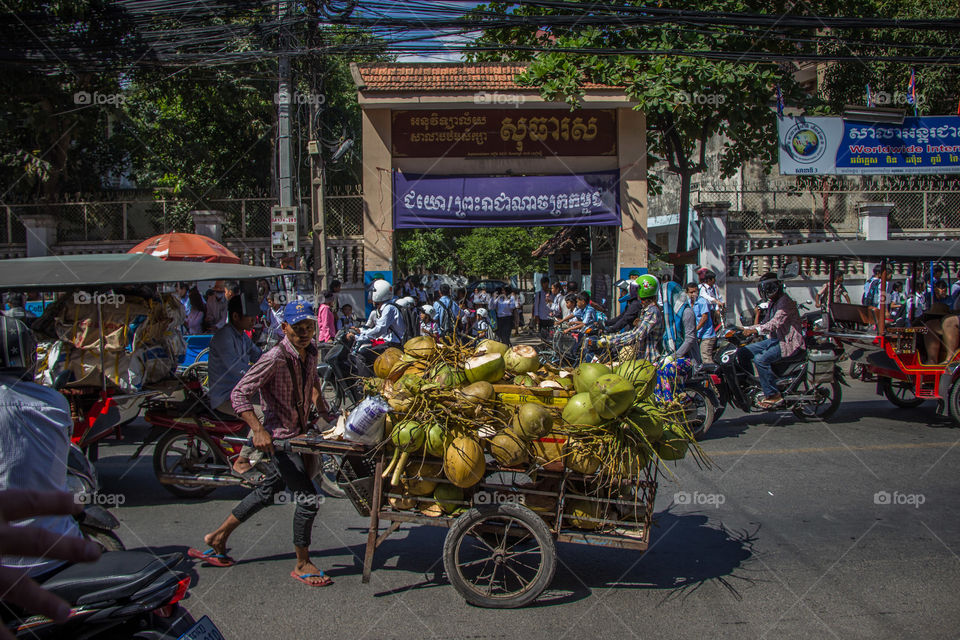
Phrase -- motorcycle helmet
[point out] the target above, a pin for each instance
(482, 312)
(406, 302)
(647, 286)
(429, 310)
(769, 286)
(382, 291)
(19, 348)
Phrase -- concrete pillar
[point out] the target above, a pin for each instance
(377, 193)
(713, 239)
(41, 231)
(632, 162)
(208, 223)
(873, 225)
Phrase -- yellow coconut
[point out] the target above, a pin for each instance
(463, 462)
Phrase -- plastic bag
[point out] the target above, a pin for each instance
(365, 423)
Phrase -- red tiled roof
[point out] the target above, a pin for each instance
(444, 76)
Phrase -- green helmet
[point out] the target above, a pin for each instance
(647, 286)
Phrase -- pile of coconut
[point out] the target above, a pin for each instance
(459, 415)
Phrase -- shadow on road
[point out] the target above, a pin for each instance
(687, 551)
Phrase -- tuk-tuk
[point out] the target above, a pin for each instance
(100, 407)
(893, 351)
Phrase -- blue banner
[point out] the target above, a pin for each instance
(834, 146)
(425, 201)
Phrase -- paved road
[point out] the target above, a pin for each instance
(796, 532)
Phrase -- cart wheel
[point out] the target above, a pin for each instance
(901, 393)
(827, 402)
(499, 557)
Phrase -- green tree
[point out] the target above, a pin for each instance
(686, 100)
(427, 249)
(501, 252)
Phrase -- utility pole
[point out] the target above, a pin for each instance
(317, 195)
(284, 98)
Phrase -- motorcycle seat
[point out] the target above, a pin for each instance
(780, 367)
(116, 575)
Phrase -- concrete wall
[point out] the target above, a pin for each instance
(377, 191)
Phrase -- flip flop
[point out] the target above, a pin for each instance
(210, 556)
(304, 578)
(770, 404)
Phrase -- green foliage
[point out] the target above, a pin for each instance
(497, 252)
(936, 84)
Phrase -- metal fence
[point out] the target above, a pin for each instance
(128, 220)
(785, 211)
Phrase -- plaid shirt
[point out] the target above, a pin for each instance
(269, 379)
(648, 335)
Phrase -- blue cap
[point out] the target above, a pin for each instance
(296, 311)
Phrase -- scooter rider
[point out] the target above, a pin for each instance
(630, 313)
(389, 327)
(648, 334)
(785, 337)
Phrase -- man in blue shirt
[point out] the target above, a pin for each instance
(231, 354)
(447, 312)
(706, 332)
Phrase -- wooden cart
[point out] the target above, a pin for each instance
(500, 549)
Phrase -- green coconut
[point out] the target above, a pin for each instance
(641, 373)
(448, 376)
(579, 410)
(650, 424)
(486, 368)
(420, 347)
(386, 361)
(580, 459)
(411, 383)
(463, 462)
(436, 442)
(673, 444)
(566, 382)
(409, 435)
(491, 346)
(524, 380)
(579, 510)
(612, 395)
(448, 497)
(476, 393)
(509, 449)
(532, 421)
(522, 359)
(586, 374)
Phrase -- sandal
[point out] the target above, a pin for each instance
(770, 404)
(210, 556)
(304, 578)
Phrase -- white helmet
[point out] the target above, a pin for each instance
(482, 312)
(406, 302)
(382, 291)
(429, 310)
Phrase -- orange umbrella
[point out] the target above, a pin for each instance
(189, 247)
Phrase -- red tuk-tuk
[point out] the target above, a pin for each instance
(892, 349)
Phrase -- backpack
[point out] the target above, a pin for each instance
(411, 325)
(870, 291)
(445, 327)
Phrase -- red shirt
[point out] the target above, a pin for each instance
(326, 324)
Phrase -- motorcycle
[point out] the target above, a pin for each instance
(194, 453)
(95, 521)
(808, 380)
(340, 374)
(124, 594)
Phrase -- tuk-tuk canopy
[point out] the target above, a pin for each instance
(56, 273)
(869, 250)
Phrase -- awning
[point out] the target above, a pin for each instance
(870, 250)
(54, 273)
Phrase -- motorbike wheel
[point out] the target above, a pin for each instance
(900, 393)
(178, 452)
(700, 403)
(326, 476)
(829, 395)
(332, 393)
(953, 402)
(856, 370)
(108, 540)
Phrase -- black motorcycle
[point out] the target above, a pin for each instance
(808, 380)
(341, 372)
(124, 594)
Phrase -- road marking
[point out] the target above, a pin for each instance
(871, 447)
